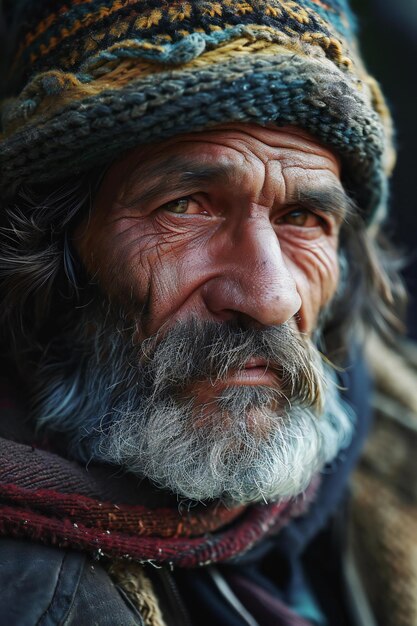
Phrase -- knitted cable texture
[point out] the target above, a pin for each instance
(90, 78)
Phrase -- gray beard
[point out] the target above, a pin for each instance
(250, 443)
(225, 458)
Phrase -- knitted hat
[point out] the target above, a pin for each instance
(87, 79)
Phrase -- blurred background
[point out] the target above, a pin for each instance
(384, 488)
(388, 34)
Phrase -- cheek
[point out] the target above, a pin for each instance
(315, 269)
(121, 261)
(118, 256)
(143, 265)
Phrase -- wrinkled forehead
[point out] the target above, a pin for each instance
(226, 155)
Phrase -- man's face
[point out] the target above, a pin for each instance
(235, 223)
(232, 227)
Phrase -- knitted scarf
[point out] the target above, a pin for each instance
(48, 499)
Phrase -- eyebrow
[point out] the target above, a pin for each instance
(179, 172)
(176, 173)
(330, 199)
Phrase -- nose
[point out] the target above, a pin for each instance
(253, 280)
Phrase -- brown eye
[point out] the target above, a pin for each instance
(301, 217)
(177, 206)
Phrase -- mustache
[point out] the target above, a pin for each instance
(197, 350)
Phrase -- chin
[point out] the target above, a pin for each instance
(232, 450)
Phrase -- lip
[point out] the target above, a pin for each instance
(255, 372)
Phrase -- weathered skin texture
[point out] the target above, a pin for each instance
(251, 241)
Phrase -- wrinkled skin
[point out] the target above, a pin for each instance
(236, 223)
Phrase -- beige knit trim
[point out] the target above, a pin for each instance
(132, 579)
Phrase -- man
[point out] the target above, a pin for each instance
(186, 188)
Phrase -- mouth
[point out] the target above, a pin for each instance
(256, 371)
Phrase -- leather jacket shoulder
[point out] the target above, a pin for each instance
(46, 586)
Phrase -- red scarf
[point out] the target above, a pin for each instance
(48, 499)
